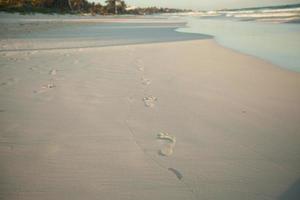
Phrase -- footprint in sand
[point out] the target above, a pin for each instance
(141, 68)
(34, 52)
(11, 56)
(130, 51)
(33, 68)
(44, 88)
(9, 82)
(145, 81)
(3, 46)
(49, 86)
(149, 101)
(176, 172)
(130, 99)
(38, 69)
(64, 54)
(27, 55)
(168, 144)
(53, 72)
(13, 59)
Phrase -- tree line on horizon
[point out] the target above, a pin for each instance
(78, 6)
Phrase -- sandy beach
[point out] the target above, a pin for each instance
(182, 119)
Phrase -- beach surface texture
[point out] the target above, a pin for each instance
(141, 113)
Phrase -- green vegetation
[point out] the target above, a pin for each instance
(154, 10)
(52, 6)
(77, 6)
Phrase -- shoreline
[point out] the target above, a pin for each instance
(158, 42)
(249, 38)
(145, 22)
(277, 66)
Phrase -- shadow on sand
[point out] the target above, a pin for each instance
(293, 193)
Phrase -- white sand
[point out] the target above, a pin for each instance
(84, 132)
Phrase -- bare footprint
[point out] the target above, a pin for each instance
(9, 82)
(32, 68)
(13, 59)
(34, 52)
(53, 72)
(130, 99)
(146, 81)
(168, 144)
(49, 86)
(149, 101)
(141, 68)
(3, 84)
(176, 172)
(44, 88)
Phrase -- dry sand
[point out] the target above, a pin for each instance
(75, 124)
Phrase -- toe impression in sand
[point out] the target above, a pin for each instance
(149, 101)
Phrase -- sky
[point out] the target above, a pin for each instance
(205, 4)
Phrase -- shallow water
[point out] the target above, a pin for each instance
(276, 43)
(57, 35)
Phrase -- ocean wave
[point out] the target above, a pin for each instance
(279, 15)
(198, 14)
(279, 20)
(260, 11)
(264, 15)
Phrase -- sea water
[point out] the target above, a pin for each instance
(278, 43)
(84, 34)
